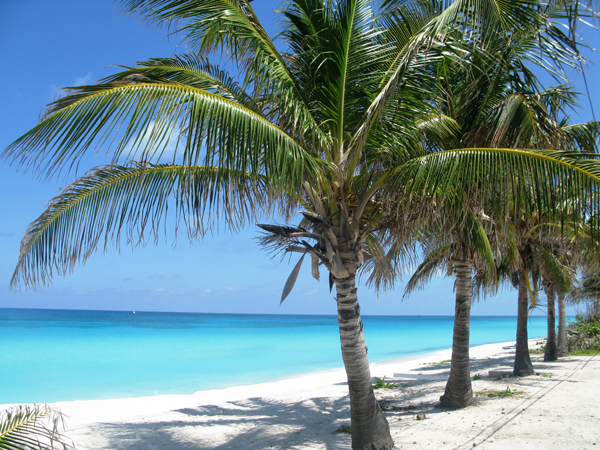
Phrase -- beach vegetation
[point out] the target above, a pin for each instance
(344, 429)
(436, 363)
(491, 393)
(336, 130)
(584, 335)
(32, 427)
(385, 406)
(581, 352)
(380, 383)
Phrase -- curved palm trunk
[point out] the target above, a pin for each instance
(370, 429)
(551, 351)
(562, 326)
(523, 364)
(459, 392)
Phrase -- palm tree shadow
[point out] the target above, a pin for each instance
(250, 424)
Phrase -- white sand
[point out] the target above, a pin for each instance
(557, 409)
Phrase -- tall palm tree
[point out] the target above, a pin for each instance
(329, 125)
(491, 99)
(465, 249)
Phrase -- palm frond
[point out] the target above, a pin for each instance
(232, 26)
(134, 201)
(432, 264)
(506, 178)
(32, 427)
(208, 129)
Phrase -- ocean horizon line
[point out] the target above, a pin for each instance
(137, 311)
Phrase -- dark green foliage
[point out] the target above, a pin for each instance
(584, 335)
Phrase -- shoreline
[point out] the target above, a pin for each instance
(99, 410)
(304, 411)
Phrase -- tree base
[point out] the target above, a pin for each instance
(456, 402)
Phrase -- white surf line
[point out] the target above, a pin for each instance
(493, 428)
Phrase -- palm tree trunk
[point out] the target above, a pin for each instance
(523, 366)
(551, 352)
(370, 429)
(562, 325)
(459, 392)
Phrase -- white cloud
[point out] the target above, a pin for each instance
(86, 79)
(168, 150)
(313, 292)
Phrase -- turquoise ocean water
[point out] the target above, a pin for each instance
(59, 355)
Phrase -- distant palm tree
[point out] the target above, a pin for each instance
(493, 101)
(466, 249)
(332, 124)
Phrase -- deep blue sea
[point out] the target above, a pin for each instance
(59, 355)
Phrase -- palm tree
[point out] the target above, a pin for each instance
(330, 126)
(551, 350)
(491, 100)
(467, 248)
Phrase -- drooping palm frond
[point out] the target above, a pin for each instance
(532, 179)
(32, 427)
(209, 130)
(231, 26)
(187, 70)
(134, 201)
(433, 263)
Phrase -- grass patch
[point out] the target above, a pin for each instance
(547, 375)
(508, 392)
(436, 363)
(586, 352)
(382, 384)
(344, 429)
(477, 376)
(384, 406)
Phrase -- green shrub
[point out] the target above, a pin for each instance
(584, 335)
(592, 329)
(382, 384)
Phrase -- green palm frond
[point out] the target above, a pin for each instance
(209, 130)
(134, 201)
(32, 427)
(560, 276)
(583, 135)
(187, 70)
(232, 27)
(532, 179)
(433, 263)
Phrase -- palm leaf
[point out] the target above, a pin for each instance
(25, 427)
(134, 201)
(503, 178)
(291, 281)
(216, 131)
(232, 26)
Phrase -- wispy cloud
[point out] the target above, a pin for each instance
(157, 139)
(86, 79)
(314, 291)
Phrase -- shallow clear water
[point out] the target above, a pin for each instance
(56, 355)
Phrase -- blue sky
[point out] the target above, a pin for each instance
(47, 45)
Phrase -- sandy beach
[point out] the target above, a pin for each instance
(555, 409)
